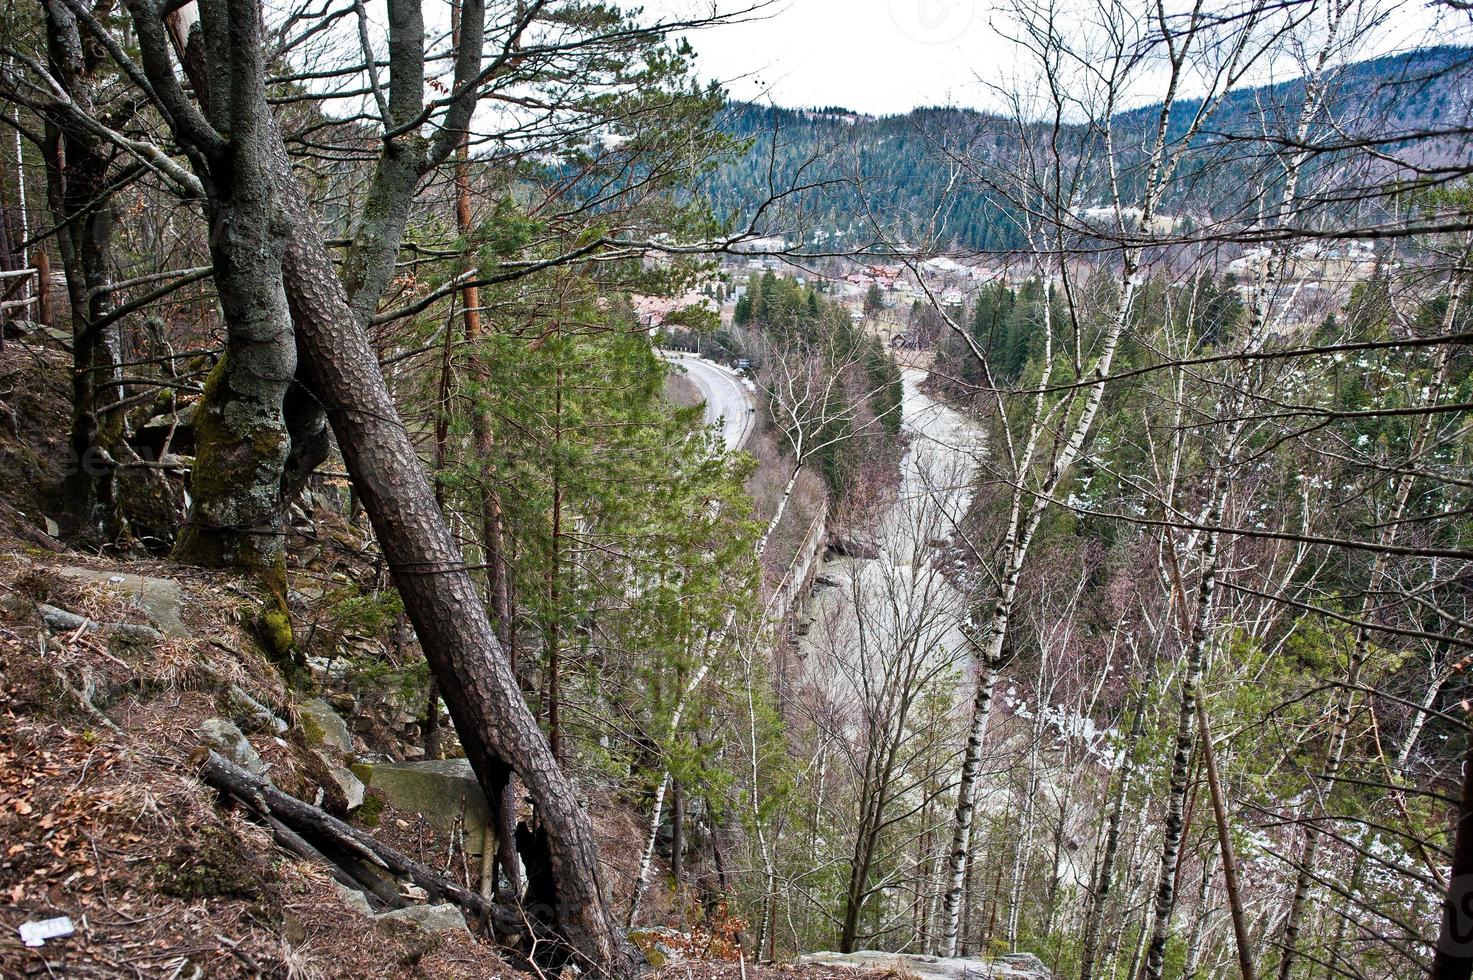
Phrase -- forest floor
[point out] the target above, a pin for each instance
(103, 821)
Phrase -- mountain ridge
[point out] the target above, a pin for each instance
(873, 174)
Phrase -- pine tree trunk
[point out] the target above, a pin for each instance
(1241, 943)
(552, 632)
(493, 544)
(496, 728)
(677, 833)
(483, 435)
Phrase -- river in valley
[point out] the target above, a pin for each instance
(877, 624)
(884, 658)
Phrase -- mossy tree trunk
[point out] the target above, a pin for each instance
(237, 513)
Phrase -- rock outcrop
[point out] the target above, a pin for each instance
(324, 727)
(442, 790)
(225, 737)
(1017, 966)
(854, 545)
(331, 742)
(160, 599)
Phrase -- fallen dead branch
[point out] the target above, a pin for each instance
(295, 822)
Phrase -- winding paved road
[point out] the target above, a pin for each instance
(728, 402)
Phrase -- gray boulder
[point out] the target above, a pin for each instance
(440, 790)
(430, 918)
(1020, 966)
(251, 715)
(63, 621)
(224, 737)
(1023, 965)
(346, 781)
(160, 599)
(324, 727)
(354, 899)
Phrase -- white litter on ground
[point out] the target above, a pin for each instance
(36, 933)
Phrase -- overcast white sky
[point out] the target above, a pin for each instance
(888, 56)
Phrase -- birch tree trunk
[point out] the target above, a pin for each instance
(966, 803)
(989, 640)
(1185, 733)
(987, 632)
(1100, 894)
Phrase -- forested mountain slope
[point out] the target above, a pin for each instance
(930, 175)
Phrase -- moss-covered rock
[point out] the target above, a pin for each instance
(372, 809)
(274, 626)
(323, 727)
(660, 946)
